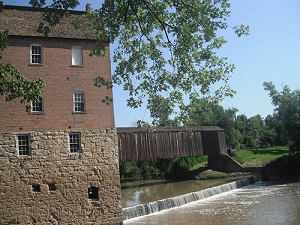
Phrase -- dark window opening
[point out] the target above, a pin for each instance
(52, 187)
(36, 188)
(24, 144)
(93, 193)
(75, 143)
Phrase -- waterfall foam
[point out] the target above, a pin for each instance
(152, 207)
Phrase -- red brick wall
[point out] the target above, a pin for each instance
(61, 80)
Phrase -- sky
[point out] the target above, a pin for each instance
(270, 53)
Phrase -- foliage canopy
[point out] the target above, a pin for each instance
(13, 84)
(166, 49)
(287, 108)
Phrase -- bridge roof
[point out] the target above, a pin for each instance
(168, 129)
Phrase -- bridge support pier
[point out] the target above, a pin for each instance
(225, 163)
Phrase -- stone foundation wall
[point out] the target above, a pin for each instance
(52, 185)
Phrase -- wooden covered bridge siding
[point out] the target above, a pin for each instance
(138, 144)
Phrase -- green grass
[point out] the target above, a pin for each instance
(212, 174)
(248, 158)
(260, 157)
(201, 164)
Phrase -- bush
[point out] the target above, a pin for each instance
(170, 168)
(129, 169)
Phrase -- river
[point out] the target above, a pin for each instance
(260, 204)
(140, 195)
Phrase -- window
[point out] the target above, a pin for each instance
(93, 193)
(35, 54)
(52, 187)
(37, 106)
(75, 145)
(78, 98)
(77, 56)
(24, 144)
(36, 188)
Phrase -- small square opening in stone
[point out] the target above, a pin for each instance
(52, 187)
(36, 188)
(93, 193)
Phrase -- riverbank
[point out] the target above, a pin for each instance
(285, 168)
(268, 159)
(277, 165)
(250, 158)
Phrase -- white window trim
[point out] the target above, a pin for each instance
(84, 102)
(79, 150)
(39, 45)
(42, 102)
(77, 55)
(29, 143)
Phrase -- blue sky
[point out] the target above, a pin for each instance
(270, 53)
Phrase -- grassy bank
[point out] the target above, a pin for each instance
(259, 157)
(196, 167)
(247, 158)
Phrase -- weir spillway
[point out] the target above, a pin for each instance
(168, 203)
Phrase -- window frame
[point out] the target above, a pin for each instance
(75, 142)
(74, 54)
(34, 54)
(79, 106)
(37, 105)
(23, 145)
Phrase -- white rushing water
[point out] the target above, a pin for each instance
(263, 203)
(168, 203)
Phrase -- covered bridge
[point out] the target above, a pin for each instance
(140, 144)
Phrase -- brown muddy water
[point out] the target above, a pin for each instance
(260, 204)
(139, 195)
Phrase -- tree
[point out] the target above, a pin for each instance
(12, 83)
(166, 49)
(241, 124)
(228, 123)
(275, 128)
(204, 112)
(254, 131)
(287, 107)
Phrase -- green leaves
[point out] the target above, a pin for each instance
(14, 85)
(166, 49)
(287, 107)
(3, 41)
(56, 11)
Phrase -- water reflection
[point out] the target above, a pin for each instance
(263, 203)
(135, 196)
